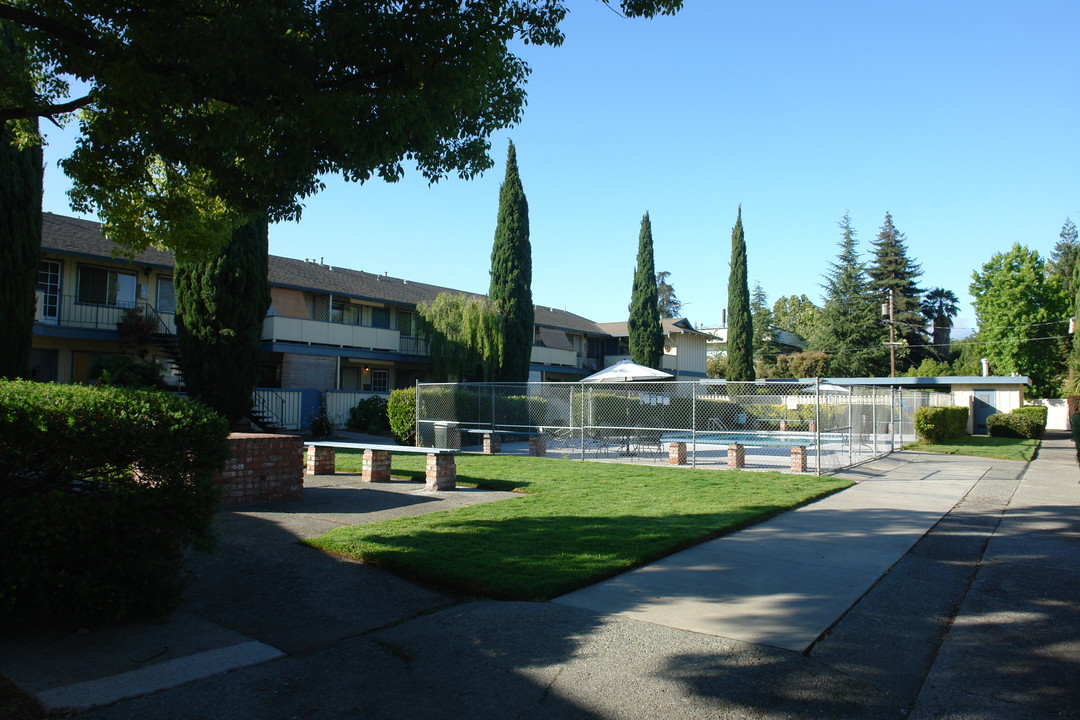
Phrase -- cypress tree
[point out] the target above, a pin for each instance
(892, 270)
(20, 232)
(220, 307)
(646, 334)
(740, 342)
(511, 276)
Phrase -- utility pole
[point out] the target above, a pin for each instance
(890, 311)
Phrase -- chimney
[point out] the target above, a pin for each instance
(985, 367)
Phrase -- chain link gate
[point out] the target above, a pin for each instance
(789, 426)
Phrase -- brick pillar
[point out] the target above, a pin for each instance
(376, 466)
(320, 461)
(676, 453)
(538, 445)
(441, 472)
(783, 426)
(736, 456)
(798, 459)
(492, 444)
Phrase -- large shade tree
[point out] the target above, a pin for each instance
(670, 305)
(511, 276)
(195, 115)
(740, 339)
(1022, 314)
(220, 307)
(20, 221)
(646, 335)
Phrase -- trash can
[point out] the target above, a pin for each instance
(448, 435)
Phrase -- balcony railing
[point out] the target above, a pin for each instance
(67, 311)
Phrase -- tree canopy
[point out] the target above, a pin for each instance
(1022, 313)
(893, 271)
(796, 314)
(198, 114)
(670, 306)
(464, 335)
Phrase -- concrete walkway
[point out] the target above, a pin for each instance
(938, 587)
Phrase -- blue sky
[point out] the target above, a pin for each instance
(959, 118)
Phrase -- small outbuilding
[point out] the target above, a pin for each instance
(983, 396)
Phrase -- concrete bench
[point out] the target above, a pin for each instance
(441, 469)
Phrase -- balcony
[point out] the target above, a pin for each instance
(318, 332)
(67, 312)
(552, 356)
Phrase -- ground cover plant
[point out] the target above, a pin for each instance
(575, 523)
(1002, 448)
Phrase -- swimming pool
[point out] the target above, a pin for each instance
(751, 437)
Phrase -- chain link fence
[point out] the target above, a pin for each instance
(809, 426)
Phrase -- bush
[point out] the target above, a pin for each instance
(125, 371)
(321, 424)
(401, 413)
(101, 491)
(1025, 422)
(369, 416)
(936, 424)
(1074, 425)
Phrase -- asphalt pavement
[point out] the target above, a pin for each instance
(936, 587)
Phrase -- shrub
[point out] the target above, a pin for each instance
(125, 371)
(935, 424)
(1025, 422)
(401, 412)
(101, 491)
(369, 416)
(321, 424)
(1074, 425)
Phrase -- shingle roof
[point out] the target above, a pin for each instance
(83, 238)
(669, 326)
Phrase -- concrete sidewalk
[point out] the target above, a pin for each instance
(939, 586)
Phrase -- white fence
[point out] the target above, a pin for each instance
(340, 402)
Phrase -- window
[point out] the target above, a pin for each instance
(166, 295)
(380, 317)
(380, 381)
(99, 286)
(404, 323)
(49, 285)
(344, 312)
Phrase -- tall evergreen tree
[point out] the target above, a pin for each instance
(1063, 258)
(220, 307)
(740, 343)
(21, 169)
(849, 328)
(646, 333)
(511, 276)
(893, 271)
(766, 346)
(670, 306)
(20, 250)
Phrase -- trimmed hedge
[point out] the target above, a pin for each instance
(1024, 422)
(936, 424)
(101, 491)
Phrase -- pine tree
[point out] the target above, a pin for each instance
(849, 327)
(892, 270)
(670, 306)
(220, 307)
(646, 334)
(511, 276)
(1063, 258)
(740, 342)
(766, 346)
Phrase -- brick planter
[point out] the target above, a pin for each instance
(262, 467)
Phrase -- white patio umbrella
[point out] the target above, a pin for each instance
(627, 371)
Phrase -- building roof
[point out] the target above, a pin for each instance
(670, 326)
(83, 238)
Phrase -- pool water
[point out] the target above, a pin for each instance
(749, 437)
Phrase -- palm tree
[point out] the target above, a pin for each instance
(939, 306)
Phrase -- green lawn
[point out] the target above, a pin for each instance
(983, 446)
(577, 523)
